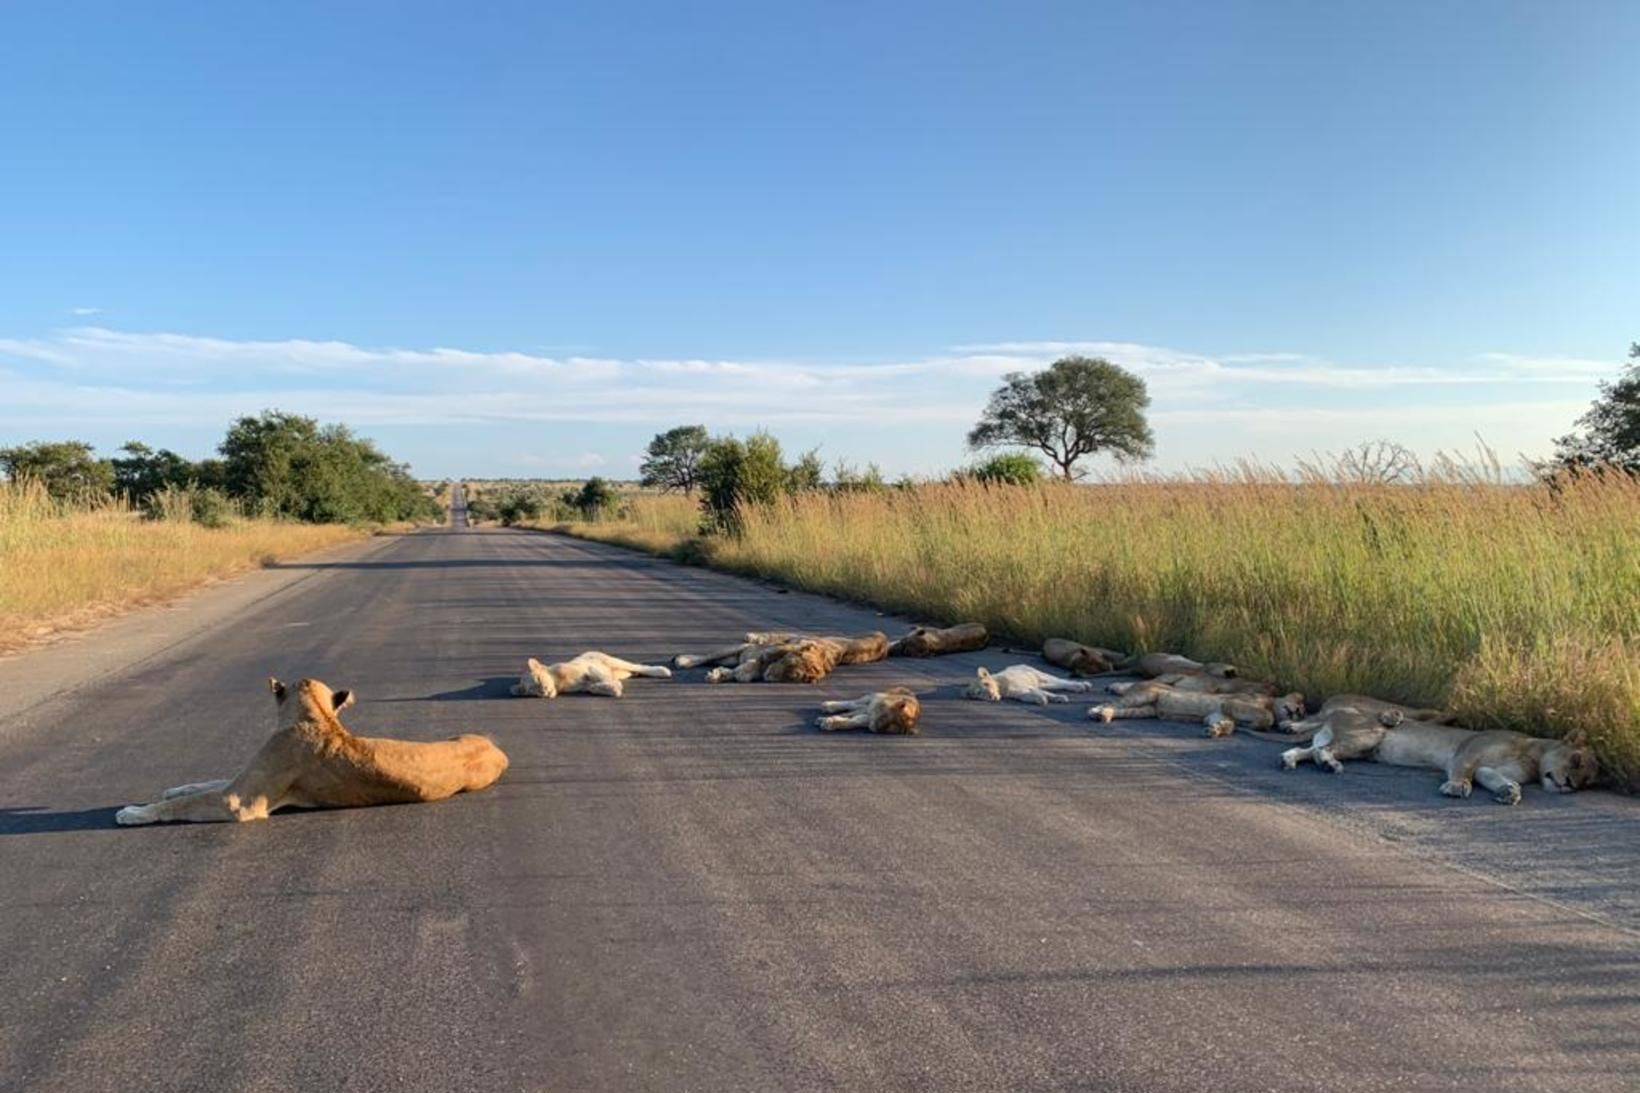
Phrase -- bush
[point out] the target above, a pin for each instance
(595, 498)
(1012, 468)
(736, 473)
(209, 508)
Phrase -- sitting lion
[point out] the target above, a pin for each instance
(797, 659)
(895, 711)
(590, 673)
(928, 641)
(1022, 683)
(1079, 659)
(1222, 714)
(312, 761)
(1500, 760)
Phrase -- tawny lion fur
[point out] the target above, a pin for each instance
(1161, 664)
(312, 761)
(1500, 760)
(790, 658)
(1368, 705)
(590, 673)
(895, 711)
(1022, 683)
(1079, 659)
(929, 641)
(1221, 714)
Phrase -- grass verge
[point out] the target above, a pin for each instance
(1516, 605)
(64, 567)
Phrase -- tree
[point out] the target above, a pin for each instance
(850, 479)
(144, 472)
(1609, 433)
(672, 460)
(808, 473)
(68, 469)
(736, 473)
(1076, 407)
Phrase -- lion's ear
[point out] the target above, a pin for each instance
(1577, 738)
(341, 700)
(277, 688)
(983, 674)
(532, 663)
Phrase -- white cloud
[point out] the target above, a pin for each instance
(1204, 406)
(84, 311)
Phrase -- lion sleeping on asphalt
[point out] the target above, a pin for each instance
(590, 673)
(929, 641)
(313, 761)
(1079, 659)
(895, 711)
(1022, 683)
(786, 658)
(1221, 713)
(1500, 760)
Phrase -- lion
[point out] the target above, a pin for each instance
(1079, 659)
(796, 659)
(1161, 664)
(1499, 759)
(590, 673)
(895, 711)
(312, 761)
(929, 641)
(1366, 704)
(1192, 681)
(1222, 714)
(1022, 683)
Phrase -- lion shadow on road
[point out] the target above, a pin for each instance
(488, 687)
(39, 820)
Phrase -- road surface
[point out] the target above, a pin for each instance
(690, 889)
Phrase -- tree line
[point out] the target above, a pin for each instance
(276, 465)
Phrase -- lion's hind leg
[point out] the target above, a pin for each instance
(845, 705)
(651, 671)
(207, 806)
(844, 721)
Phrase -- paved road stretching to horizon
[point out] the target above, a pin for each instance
(691, 889)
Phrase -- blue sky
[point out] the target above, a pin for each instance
(520, 238)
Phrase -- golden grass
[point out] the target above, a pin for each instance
(1517, 605)
(64, 567)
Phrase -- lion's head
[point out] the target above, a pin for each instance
(805, 662)
(308, 700)
(1568, 765)
(984, 687)
(536, 682)
(1289, 707)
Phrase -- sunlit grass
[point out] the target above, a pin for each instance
(65, 566)
(1517, 604)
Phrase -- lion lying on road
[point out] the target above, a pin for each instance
(1375, 706)
(1161, 664)
(312, 761)
(590, 673)
(1499, 760)
(1192, 681)
(895, 711)
(790, 658)
(1079, 659)
(929, 641)
(1222, 714)
(1022, 683)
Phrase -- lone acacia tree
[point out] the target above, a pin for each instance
(672, 460)
(1076, 407)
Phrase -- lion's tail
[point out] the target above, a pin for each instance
(1298, 737)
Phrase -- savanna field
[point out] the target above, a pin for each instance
(1515, 605)
(65, 565)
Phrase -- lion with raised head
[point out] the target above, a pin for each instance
(590, 673)
(930, 641)
(313, 761)
(1502, 761)
(1079, 659)
(1022, 683)
(796, 659)
(1222, 714)
(895, 711)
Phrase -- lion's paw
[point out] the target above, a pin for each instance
(1107, 714)
(1456, 789)
(1289, 759)
(1508, 795)
(132, 815)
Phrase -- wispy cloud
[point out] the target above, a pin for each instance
(1209, 404)
(82, 312)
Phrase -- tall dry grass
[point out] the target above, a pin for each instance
(1516, 604)
(65, 566)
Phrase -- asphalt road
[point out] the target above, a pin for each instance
(691, 889)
